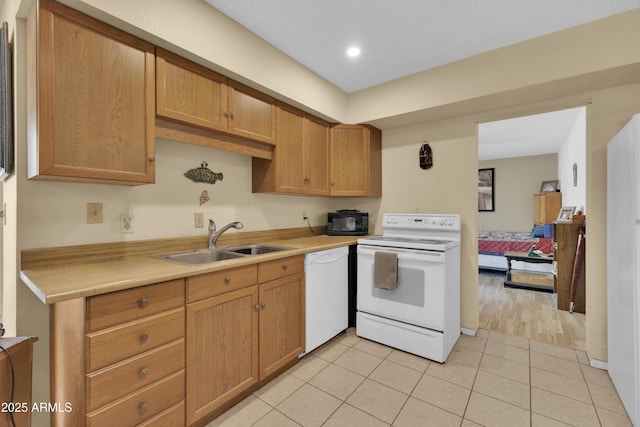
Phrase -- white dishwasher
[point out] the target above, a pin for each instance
(326, 295)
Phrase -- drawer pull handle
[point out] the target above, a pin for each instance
(144, 338)
(143, 373)
(285, 266)
(143, 302)
(227, 280)
(142, 408)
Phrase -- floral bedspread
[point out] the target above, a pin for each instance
(499, 242)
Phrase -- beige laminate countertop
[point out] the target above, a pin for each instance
(65, 282)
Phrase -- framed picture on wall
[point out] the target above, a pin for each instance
(6, 105)
(486, 202)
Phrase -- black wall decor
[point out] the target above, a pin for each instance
(426, 156)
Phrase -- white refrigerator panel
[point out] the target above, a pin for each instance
(623, 299)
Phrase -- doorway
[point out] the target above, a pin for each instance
(524, 152)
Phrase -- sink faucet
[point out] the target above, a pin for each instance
(215, 235)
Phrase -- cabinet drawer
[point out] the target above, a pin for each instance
(219, 282)
(120, 342)
(278, 268)
(142, 405)
(172, 417)
(111, 383)
(119, 307)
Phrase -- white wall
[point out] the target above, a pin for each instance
(516, 180)
(54, 213)
(574, 151)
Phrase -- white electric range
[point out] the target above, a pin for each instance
(422, 315)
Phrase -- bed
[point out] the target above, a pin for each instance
(493, 244)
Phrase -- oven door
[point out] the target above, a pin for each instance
(419, 297)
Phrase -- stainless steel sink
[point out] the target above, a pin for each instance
(255, 249)
(205, 256)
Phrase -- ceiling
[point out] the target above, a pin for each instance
(526, 136)
(403, 37)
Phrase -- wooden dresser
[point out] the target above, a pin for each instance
(20, 351)
(565, 239)
(546, 207)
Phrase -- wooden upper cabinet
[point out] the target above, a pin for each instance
(289, 151)
(189, 93)
(356, 161)
(251, 114)
(201, 107)
(300, 163)
(90, 92)
(316, 156)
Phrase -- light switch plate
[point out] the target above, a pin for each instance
(94, 213)
(198, 220)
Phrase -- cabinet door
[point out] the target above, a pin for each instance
(189, 93)
(349, 157)
(93, 109)
(316, 157)
(288, 154)
(222, 350)
(281, 322)
(538, 209)
(251, 114)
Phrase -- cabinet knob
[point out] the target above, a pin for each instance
(257, 307)
(226, 114)
(143, 302)
(263, 305)
(232, 115)
(227, 280)
(152, 159)
(142, 408)
(285, 266)
(143, 373)
(144, 338)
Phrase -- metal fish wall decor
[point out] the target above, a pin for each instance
(203, 174)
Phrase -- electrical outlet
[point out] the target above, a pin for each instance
(126, 224)
(94, 213)
(198, 220)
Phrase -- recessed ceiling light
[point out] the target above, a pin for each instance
(353, 51)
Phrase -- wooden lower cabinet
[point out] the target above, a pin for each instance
(128, 372)
(281, 322)
(237, 338)
(222, 350)
(175, 353)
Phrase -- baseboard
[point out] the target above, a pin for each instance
(600, 364)
(467, 331)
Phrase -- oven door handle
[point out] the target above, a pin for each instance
(405, 254)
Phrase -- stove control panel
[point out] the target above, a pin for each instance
(421, 221)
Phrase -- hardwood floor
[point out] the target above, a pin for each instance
(526, 313)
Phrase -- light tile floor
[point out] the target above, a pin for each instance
(488, 380)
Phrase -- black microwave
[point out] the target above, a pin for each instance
(347, 223)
